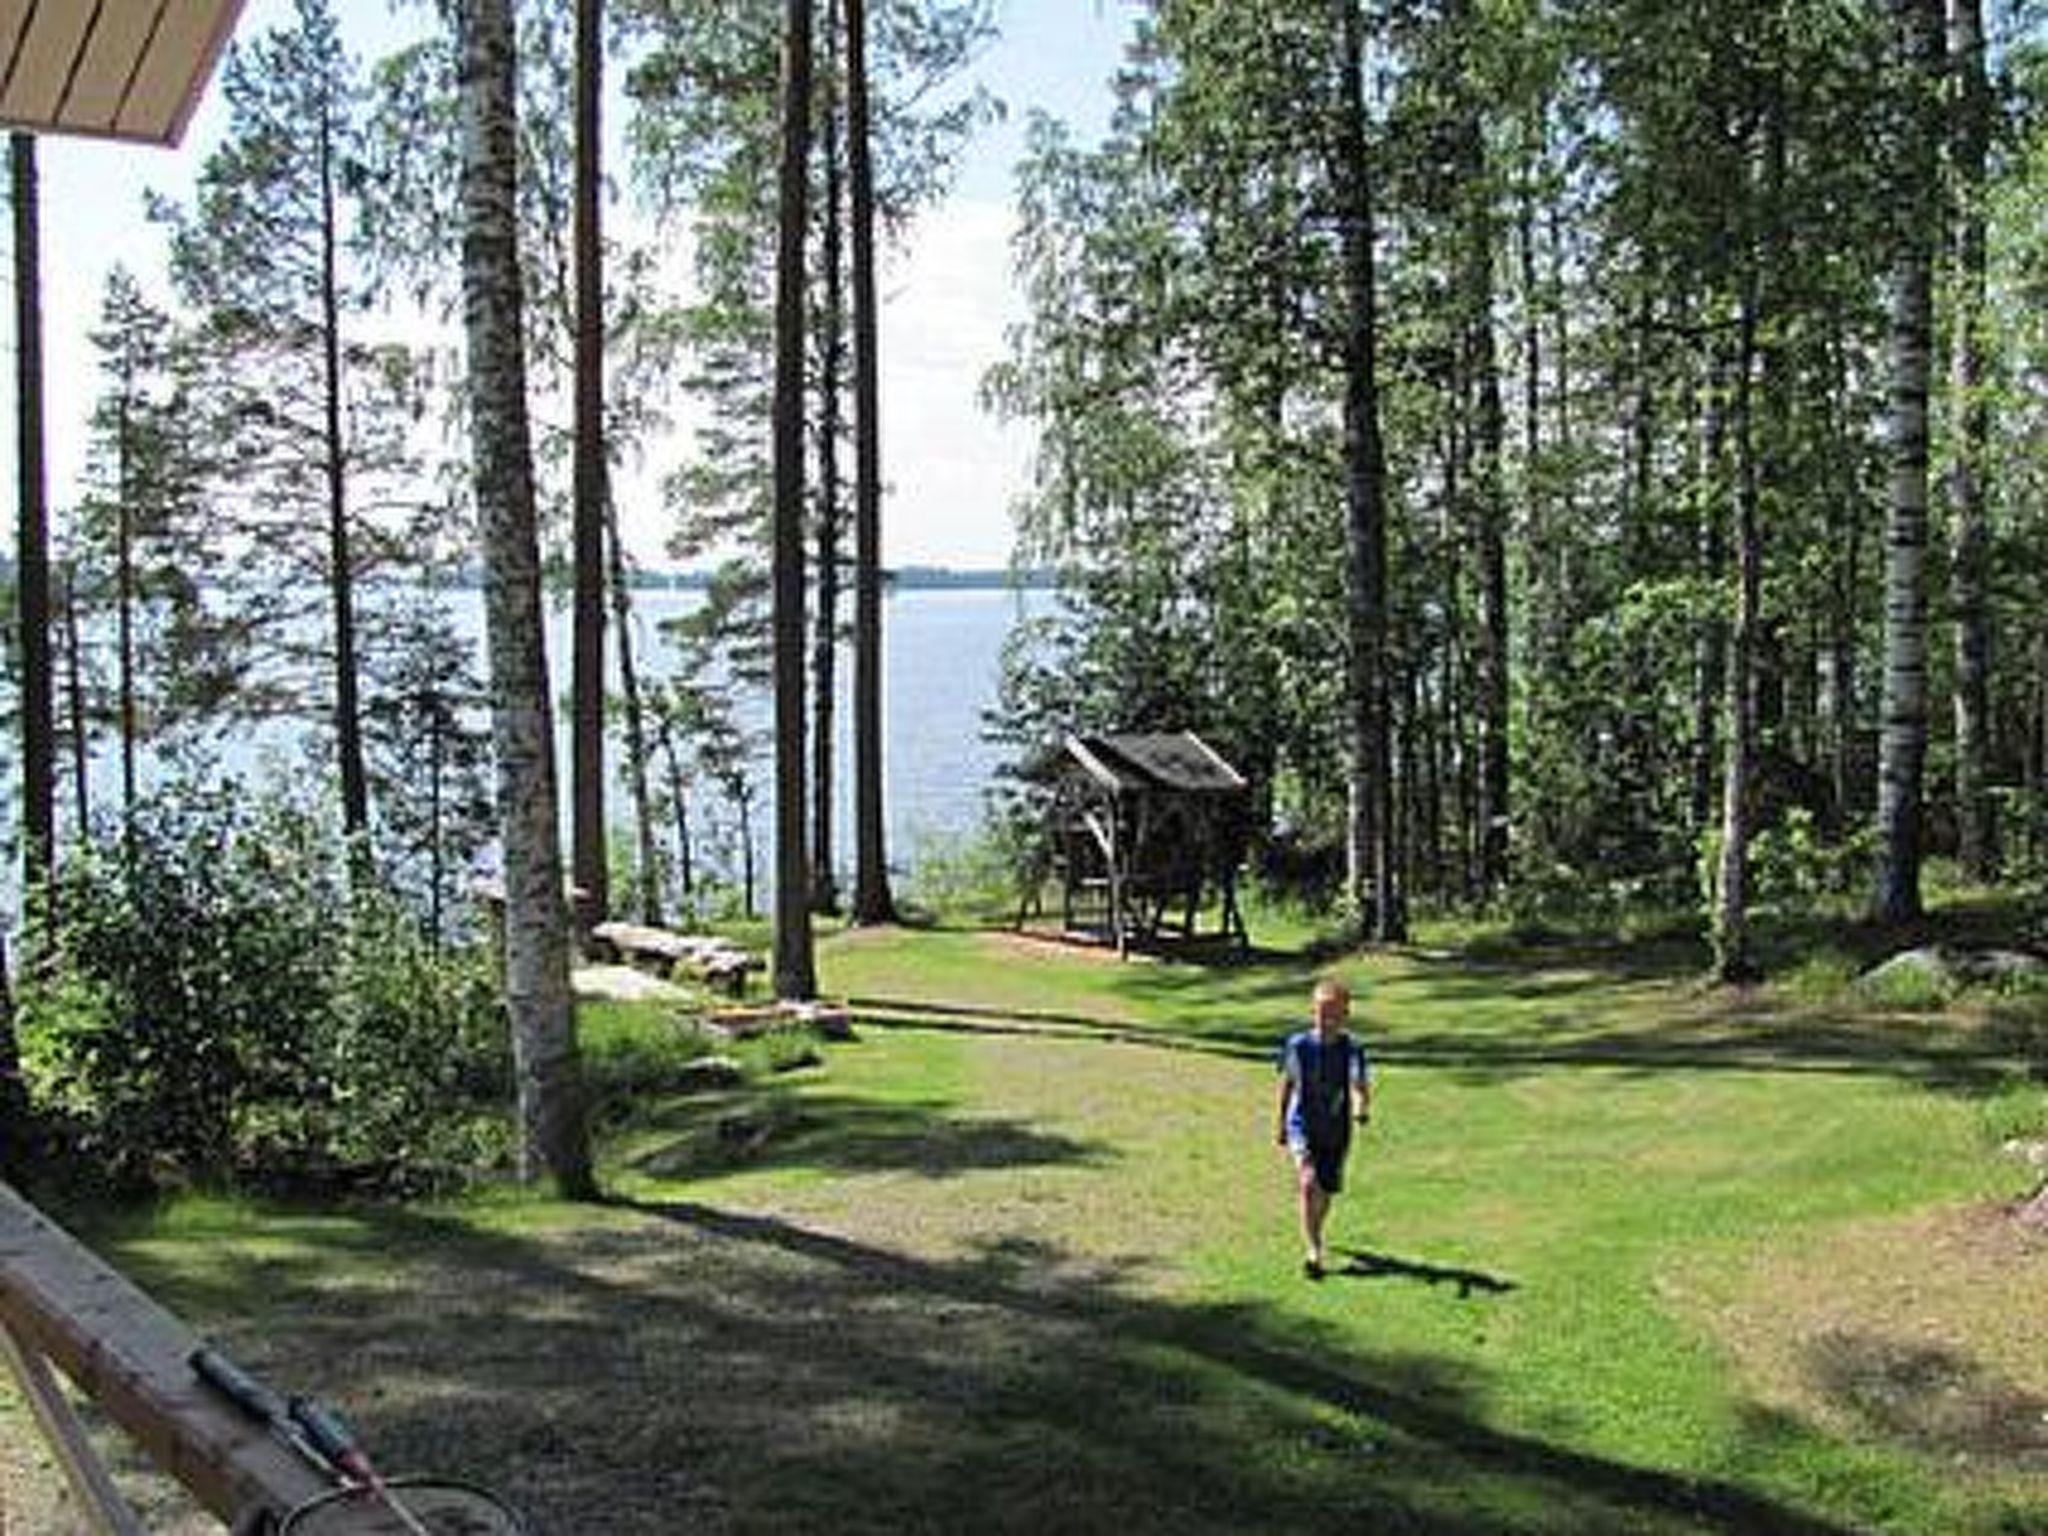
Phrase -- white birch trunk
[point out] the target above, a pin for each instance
(1903, 745)
(554, 1136)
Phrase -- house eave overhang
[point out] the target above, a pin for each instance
(109, 69)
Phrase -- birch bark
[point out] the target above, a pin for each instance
(554, 1134)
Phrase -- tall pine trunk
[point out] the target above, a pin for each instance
(1734, 959)
(647, 850)
(74, 688)
(1710, 639)
(831, 364)
(672, 761)
(1545, 600)
(1450, 683)
(1637, 533)
(38, 783)
(589, 862)
(554, 1132)
(1561, 389)
(1370, 847)
(32, 546)
(1489, 498)
(1845, 562)
(124, 628)
(744, 803)
(795, 972)
(1903, 747)
(341, 576)
(872, 901)
(1758, 405)
(1970, 575)
(437, 843)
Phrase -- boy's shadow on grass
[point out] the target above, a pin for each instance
(1365, 1265)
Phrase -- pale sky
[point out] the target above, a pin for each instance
(951, 471)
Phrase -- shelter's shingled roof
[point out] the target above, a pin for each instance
(126, 69)
(1176, 760)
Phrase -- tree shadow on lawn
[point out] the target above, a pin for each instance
(1499, 992)
(1606, 960)
(708, 1134)
(1990, 922)
(1940, 1058)
(1784, 935)
(1685, 1034)
(1646, 1014)
(1255, 995)
(681, 1367)
(977, 1019)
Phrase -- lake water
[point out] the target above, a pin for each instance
(942, 652)
(941, 655)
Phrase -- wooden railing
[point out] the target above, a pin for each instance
(61, 1307)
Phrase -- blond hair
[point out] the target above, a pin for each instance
(1332, 987)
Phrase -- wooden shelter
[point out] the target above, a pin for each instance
(1141, 827)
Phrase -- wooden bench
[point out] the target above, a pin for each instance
(63, 1310)
(61, 1306)
(718, 962)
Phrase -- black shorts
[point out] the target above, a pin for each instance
(1327, 1159)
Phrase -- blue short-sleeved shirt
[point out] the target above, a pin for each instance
(1322, 1073)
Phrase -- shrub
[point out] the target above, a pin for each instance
(784, 1049)
(223, 1000)
(2017, 1021)
(976, 877)
(1825, 977)
(633, 1052)
(2016, 1111)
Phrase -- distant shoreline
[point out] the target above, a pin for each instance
(909, 578)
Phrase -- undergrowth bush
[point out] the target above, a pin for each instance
(2014, 1111)
(638, 1057)
(975, 877)
(1795, 863)
(1824, 977)
(221, 1000)
(632, 1052)
(2017, 1020)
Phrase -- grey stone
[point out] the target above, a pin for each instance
(707, 1073)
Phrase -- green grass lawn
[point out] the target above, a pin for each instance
(1623, 1255)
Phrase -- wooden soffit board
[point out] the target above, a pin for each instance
(111, 69)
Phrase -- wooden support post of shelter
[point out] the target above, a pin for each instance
(63, 1307)
(1142, 827)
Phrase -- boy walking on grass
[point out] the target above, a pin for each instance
(1325, 1082)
